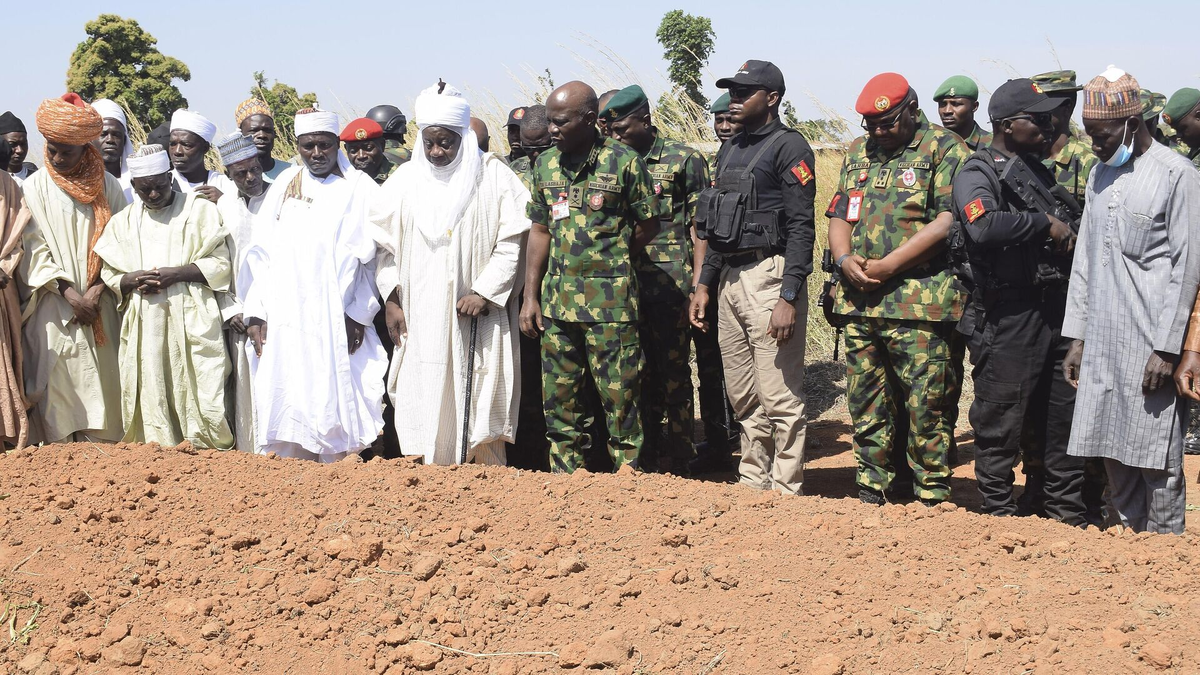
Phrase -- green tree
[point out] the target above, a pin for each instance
(687, 43)
(284, 101)
(120, 61)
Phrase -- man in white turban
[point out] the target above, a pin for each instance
(451, 228)
(243, 166)
(166, 260)
(191, 137)
(309, 302)
(114, 144)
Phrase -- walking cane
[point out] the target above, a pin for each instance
(466, 441)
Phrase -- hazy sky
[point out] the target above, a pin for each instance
(355, 55)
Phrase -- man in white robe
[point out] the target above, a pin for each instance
(191, 137)
(242, 166)
(1133, 281)
(309, 303)
(165, 259)
(71, 327)
(452, 224)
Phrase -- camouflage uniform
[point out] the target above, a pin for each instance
(396, 153)
(901, 339)
(1072, 165)
(519, 165)
(385, 170)
(664, 272)
(589, 295)
(978, 138)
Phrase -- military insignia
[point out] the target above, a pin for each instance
(596, 201)
(1038, 88)
(1166, 118)
(950, 93)
(909, 178)
(658, 188)
(519, 114)
(802, 172)
(833, 203)
(360, 134)
(974, 210)
(883, 103)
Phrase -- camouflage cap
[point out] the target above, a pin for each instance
(1152, 104)
(1057, 82)
(956, 86)
(1180, 104)
(721, 105)
(624, 103)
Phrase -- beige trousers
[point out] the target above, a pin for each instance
(764, 379)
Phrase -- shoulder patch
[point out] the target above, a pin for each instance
(802, 173)
(974, 210)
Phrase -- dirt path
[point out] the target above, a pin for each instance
(167, 561)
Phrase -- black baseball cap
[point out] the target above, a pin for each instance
(1019, 96)
(755, 74)
(515, 116)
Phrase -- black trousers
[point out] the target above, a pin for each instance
(1021, 398)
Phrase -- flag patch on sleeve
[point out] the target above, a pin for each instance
(974, 210)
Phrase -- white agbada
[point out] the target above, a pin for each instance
(310, 265)
(443, 234)
(238, 218)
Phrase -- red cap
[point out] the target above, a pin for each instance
(883, 92)
(74, 99)
(361, 129)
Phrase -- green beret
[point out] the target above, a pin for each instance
(1152, 104)
(624, 103)
(959, 85)
(1057, 82)
(721, 105)
(1180, 104)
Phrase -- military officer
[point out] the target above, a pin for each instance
(1070, 159)
(1182, 113)
(593, 209)
(363, 139)
(517, 159)
(394, 125)
(888, 222)
(664, 272)
(958, 101)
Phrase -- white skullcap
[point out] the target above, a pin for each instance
(317, 121)
(447, 109)
(149, 160)
(1112, 73)
(110, 109)
(186, 120)
(235, 148)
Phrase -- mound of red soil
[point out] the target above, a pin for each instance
(168, 560)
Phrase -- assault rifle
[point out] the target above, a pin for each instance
(828, 291)
(1031, 194)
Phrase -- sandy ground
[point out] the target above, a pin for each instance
(143, 559)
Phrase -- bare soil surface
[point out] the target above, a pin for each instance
(130, 559)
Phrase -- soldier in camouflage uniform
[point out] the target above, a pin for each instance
(1070, 159)
(1182, 114)
(888, 222)
(958, 100)
(664, 271)
(593, 208)
(517, 159)
(363, 142)
(394, 125)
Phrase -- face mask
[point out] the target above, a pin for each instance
(1124, 152)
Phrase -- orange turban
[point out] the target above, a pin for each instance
(70, 121)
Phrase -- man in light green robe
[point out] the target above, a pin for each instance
(165, 258)
(72, 383)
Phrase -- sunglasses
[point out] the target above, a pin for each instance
(743, 91)
(883, 125)
(1040, 119)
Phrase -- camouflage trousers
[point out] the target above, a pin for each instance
(612, 353)
(667, 404)
(902, 367)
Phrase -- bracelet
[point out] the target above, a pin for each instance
(842, 259)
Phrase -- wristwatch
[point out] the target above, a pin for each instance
(789, 294)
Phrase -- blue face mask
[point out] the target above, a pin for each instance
(1124, 152)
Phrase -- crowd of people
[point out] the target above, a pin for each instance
(542, 308)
